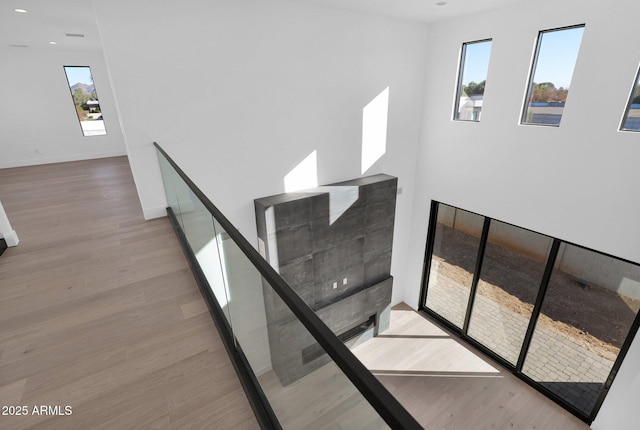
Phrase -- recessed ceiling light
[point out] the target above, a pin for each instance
(53, 43)
(20, 10)
(18, 46)
(441, 3)
(74, 34)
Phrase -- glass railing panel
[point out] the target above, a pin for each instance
(305, 388)
(282, 346)
(204, 241)
(183, 197)
(198, 227)
(245, 304)
(167, 172)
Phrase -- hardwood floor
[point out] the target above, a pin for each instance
(99, 311)
(322, 400)
(445, 384)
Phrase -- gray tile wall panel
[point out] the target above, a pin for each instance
(377, 269)
(323, 236)
(334, 264)
(293, 243)
(377, 242)
(292, 214)
(347, 227)
(378, 215)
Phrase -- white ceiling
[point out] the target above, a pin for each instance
(416, 10)
(49, 20)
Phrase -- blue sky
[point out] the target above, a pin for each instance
(476, 62)
(557, 56)
(78, 74)
(556, 60)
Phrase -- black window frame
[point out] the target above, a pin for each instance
(625, 116)
(532, 71)
(517, 369)
(64, 69)
(459, 83)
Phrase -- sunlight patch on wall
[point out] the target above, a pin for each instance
(340, 200)
(304, 175)
(374, 130)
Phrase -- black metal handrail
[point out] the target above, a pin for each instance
(393, 413)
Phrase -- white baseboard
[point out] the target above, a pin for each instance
(151, 213)
(60, 159)
(11, 238)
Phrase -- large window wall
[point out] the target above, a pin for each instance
(560, 316)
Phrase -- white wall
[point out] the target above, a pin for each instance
(576, 182)
(252, 87)
(620, 409)
(39, 122)
(242, 91)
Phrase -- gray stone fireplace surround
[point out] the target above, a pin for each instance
(332, 244)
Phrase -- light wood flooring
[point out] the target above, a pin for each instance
(99, 310)
(445, 384)
(325, 399)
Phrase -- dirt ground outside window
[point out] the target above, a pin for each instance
(593, 317)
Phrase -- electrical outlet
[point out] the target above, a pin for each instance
(344, 281)
(335, 285)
